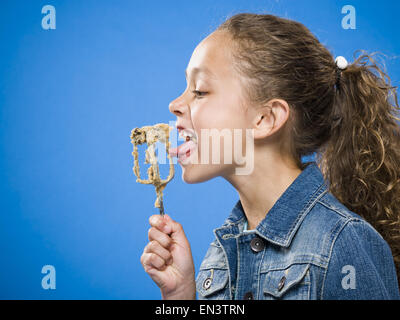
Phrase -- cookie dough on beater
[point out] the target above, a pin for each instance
(150, 135)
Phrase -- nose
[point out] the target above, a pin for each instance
(178, 106)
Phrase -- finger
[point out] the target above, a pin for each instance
(160, 237)
(177, 232)
(157, 275)
(155, 247)
(152, 260)
(158, 221)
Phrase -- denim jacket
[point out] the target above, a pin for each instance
(309, 246)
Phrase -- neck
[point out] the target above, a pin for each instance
(260, 190)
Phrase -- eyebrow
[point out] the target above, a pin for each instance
(196, 71)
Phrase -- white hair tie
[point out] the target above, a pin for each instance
(341, 63)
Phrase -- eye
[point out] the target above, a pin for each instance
(199, 94)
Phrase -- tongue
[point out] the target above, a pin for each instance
(182, 149)
(173, 152)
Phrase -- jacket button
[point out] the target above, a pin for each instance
(207, 283)
(257, 244)
(281, 283)
(248, 296)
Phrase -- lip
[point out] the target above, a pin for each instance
(187, 129)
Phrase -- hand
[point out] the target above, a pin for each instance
(167, 259)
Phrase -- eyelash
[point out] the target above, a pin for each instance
(199, 94)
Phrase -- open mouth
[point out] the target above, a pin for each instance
(183, 151)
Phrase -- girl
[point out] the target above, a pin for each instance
(299, 230)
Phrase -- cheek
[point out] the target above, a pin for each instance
(204, 115)
(218, 114)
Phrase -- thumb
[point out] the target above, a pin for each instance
(177, 232)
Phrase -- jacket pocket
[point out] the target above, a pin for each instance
(212, 283)
(291, 283)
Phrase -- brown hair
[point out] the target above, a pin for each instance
(347, 118)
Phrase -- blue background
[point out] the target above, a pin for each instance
(68, 100)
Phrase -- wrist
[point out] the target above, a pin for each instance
(188, 293)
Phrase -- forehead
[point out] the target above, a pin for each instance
(212, 57)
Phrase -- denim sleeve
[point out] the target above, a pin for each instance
(361, 266)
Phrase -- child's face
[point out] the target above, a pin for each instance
(213, 99)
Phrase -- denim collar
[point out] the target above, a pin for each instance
(285, 217)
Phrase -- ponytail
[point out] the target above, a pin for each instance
(361, 160)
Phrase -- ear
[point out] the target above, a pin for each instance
(270, 118)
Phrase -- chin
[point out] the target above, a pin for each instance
(198, 173)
